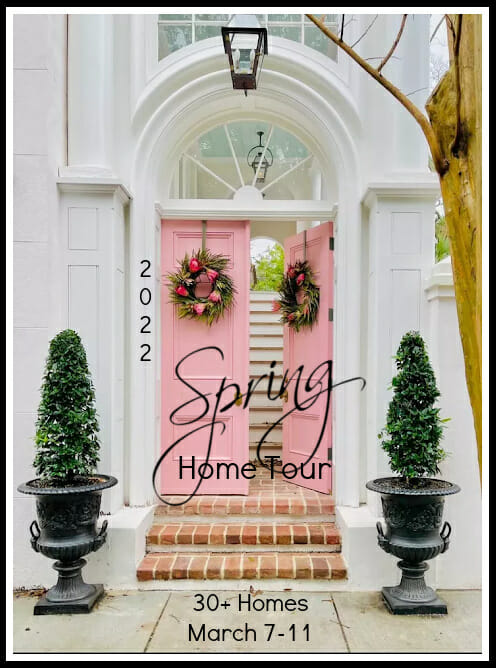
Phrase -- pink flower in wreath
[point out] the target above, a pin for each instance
(198, 308)
(181, 290)
(215, 297)
(300, 279)
(291, 316)
(305, 309)
(212, 274)
(291, 271)
(275, 307)
(194, 265)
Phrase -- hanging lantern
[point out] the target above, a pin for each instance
(245, 43)
(258, 156)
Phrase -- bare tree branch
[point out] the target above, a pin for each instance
(441, 163)
(436, 29)
(416, 91)
(394, 45)
(363, 34)
(457, 83)
(451, 35)
(381, 58)
(341, 29)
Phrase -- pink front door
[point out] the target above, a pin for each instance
(188, 375)
(312, 348)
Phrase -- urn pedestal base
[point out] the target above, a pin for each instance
(83, 606)
(401, 607)
(413, 596)
(71, 595)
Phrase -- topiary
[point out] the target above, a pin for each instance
(67, 426)
(413, 431)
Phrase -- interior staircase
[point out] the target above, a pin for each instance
(266, 345)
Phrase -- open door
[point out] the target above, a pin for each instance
(205, 370)
(310, 347)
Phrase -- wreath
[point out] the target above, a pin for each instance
(298, 278)
(184, 281)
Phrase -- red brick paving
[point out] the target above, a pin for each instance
(262, 565)
(269, 533)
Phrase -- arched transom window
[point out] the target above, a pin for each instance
(241, 155)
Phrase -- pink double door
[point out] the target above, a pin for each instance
(198, 360)
(308, 433)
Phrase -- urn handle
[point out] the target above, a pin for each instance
(383, 541)
(444, 535)
(100, 538)
(34, 536)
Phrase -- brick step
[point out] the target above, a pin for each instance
(297, 504)
(286, 536)
(241, 565)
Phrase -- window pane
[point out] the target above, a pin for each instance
(288, 32)
(285, 17)
(244, 136)
(212, 17)
(329, 18)
(206, 31)
(172, 38)
(317, 40)
(175, 17)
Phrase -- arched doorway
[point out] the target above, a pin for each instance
(321, 120)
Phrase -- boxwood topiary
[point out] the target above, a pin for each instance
(67, 426)
(413, 430)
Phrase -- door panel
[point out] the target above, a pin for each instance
(206, 369)
(311, 348)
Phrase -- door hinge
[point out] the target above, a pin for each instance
(330, 315)
(330, 454)
(332, 243)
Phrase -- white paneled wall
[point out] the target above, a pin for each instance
(401, 248)
(92, 286)
(38, 147)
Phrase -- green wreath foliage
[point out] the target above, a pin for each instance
(298, 277)
(182, 285)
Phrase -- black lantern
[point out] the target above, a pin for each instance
(255, 158)
(245, 42)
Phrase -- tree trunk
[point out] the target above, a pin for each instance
(458, 130)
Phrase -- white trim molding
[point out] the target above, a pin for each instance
(227, 209)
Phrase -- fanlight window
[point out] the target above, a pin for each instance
(179, 30)
(219, 162)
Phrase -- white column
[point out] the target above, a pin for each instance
(401, 236)
(90, 93)
(413, 51)
(461, 565)
(91, 296)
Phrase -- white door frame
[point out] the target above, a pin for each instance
(225, 209)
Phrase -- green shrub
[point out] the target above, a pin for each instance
(413, 431)
(269, 268)
(67, 427)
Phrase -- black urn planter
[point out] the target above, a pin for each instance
(414, 533)
(66, 530)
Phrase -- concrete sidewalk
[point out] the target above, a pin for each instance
(161, 621)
